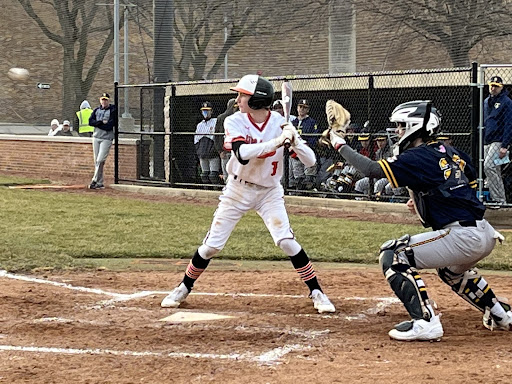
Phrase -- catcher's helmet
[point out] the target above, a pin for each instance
(260, 89)
(419, 118)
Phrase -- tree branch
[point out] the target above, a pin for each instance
(27, 6)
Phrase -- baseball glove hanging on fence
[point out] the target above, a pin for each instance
(338, 119)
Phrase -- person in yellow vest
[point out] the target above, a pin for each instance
(84, 129)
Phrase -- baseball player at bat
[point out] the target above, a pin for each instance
(255, 136)
(442, 181)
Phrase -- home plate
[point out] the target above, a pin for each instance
(181, 317)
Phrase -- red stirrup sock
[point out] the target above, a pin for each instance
(305, 270)
(194, 269)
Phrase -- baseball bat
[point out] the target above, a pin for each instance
(286, 94)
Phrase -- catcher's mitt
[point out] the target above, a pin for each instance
(338, 119)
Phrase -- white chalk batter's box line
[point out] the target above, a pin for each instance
(268, 358)
(382, 302)
(119, 297)
(271, 357)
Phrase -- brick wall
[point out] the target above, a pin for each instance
(305, 50)
(58, 158)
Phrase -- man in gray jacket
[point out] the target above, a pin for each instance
(103, 119)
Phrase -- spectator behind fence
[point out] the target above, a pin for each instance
(325, 158)
(383, 152)
(498, 135)
(103, 119)
(209, 159)
(352, 138)
(55, 127)
(278, 107)
(231, 108)
(65, 130)
(365, 143)
(304, 177)
(83, 115)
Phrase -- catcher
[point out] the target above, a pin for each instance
(441, 182)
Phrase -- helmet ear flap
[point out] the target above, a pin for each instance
(426, 113)
(263, 94)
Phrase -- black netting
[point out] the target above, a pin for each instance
(168, 115)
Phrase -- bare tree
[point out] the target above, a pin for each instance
(80, 22)
(458, 25)
(205, 30)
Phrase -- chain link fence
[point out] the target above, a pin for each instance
(164, 117)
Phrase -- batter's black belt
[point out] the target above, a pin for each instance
(235, 177)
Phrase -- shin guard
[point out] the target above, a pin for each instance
(407, 284)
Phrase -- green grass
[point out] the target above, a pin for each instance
(6, 181)
(42, 229)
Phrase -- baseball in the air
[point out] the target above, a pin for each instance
(18, 74)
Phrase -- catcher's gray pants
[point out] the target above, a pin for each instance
(493, 172)
(101, 148)
(456, 247)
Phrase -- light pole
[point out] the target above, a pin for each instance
(126, 113)
(116, 41)
(225, 39)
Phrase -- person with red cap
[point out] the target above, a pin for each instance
(255, 136)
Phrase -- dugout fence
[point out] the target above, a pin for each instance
(163, 117)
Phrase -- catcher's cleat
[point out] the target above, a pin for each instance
(418, 330)
(176, 297)
(494, 323)
(321, 302)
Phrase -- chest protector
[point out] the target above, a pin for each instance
(455, 187)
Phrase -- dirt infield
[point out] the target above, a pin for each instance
(106, 327)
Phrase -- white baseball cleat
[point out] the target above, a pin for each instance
(418, 329)
(321, 302)
(176, 297)
(492, 323)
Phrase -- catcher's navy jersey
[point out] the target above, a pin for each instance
(442, 177)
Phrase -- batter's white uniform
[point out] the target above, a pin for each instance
(256, 185)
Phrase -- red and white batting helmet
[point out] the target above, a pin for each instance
(260, 89)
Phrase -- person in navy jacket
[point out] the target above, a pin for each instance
(498, 135)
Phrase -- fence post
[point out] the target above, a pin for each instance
(371, 88)
(475, 112)
(116, 134)
(172, 160)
